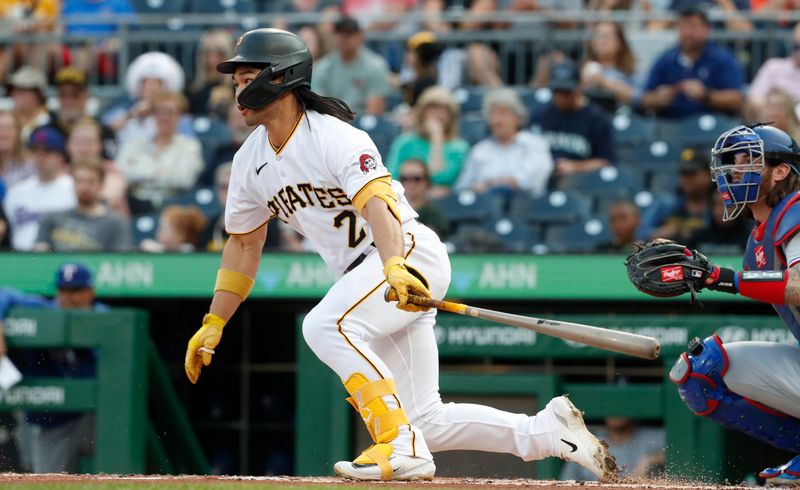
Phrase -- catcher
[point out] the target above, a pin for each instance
(748, 386)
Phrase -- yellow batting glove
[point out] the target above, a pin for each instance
(404, 282)
(202, 344)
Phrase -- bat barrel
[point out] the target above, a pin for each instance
(603, 338)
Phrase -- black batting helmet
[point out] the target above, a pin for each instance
(276, 52)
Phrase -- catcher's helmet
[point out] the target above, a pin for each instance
(778, 146)
(739, 156)
(276, 52)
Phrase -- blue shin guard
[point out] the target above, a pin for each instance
(699, 376)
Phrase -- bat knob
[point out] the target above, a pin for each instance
(390, 294)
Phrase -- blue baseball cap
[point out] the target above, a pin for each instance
(48, 138)
(73, 275)
(564, 76)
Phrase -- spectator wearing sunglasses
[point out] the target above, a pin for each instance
(780, 73)
(417, 183)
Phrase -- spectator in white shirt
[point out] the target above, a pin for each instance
(49, 190)
(165, 164)
(510, 159)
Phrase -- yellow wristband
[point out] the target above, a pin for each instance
(212, 319)
(234, 282)
(393, 261)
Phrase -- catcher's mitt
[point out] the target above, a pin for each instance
(665, 269)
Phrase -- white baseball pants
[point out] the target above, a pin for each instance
(353, 330)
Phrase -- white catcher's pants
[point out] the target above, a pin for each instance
(353, 330)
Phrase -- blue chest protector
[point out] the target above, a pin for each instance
(764, 250)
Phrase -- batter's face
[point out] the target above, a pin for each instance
(241, 78)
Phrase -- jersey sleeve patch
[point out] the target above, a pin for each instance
(367, 163)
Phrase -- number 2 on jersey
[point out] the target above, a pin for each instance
(352, 239)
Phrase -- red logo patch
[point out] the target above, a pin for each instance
(725, 196)
(672, 274)
(366, 163)
(761, 257)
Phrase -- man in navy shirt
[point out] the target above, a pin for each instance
(696, 76)
(578, 131)
(58, 440)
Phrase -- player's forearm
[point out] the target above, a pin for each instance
(242, 255)
(792, 294)
(386, 231)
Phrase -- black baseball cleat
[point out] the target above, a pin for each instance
(580, 446)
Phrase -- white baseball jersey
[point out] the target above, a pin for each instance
(29, 200)
(309, 183)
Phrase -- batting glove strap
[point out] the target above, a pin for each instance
(215, 320)
(723, 279)
(394, 261)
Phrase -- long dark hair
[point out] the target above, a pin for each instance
(624, 60)
(783, 188)
(324, 105)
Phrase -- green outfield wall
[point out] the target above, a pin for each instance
(505, 277)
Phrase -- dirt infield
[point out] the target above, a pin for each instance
(157, 481)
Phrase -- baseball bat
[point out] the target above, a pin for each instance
(602, 338)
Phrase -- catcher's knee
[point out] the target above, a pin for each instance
(699, 374)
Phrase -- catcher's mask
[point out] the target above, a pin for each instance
(277, 53)
(737, 160)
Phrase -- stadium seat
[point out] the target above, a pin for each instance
(581, 237)
(630, 129)
(644, 200)
(469, 99)
(473, 128)
(393, 100)
(212, 134)
(159, 7)
(517, 235)
(468, 207)
(702, 129)
(222, 6)
(664, 182)
(144, 226)
(555, 207)
(382, 131)
(204, 198)
(604, 183)
(535, 99)
(653, 155)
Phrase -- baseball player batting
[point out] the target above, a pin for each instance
(305, 165)
(747, 386)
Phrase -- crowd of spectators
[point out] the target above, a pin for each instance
(147, 169)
